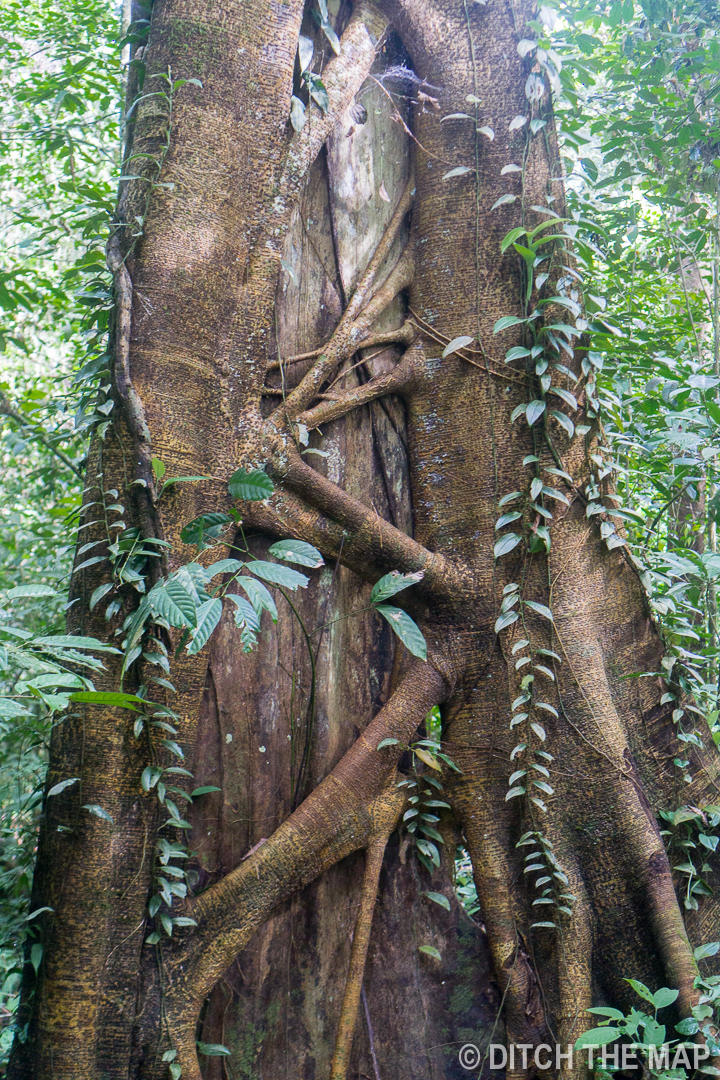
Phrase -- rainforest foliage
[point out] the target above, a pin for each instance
(637, 102)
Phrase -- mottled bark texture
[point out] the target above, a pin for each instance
(420, 449)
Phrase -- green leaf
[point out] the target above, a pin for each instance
(306, 50)
(36, 956)
(114, 699)
(387, 742)
(505, 322)
(173, 603)
(516, 353)
(460, 170)
(34, 914)
(245, 614)
(208, 616)
(506, 544)
(567, 397)
(98, 811)
(8, 707)
(457, 343)
(438, 898)
(654, 1034)
(57, 788)
(541, 609)
(71, 641)
(510, 238)
(318, 92)
(173, 747)
(642, 990)
(203, 790)
(505, 519)
(212, 1049)
(150, 776)
(543, 786)
(547, 708)
(251, 486)
(297, 113)
(506, 619)
(600, 1036)
(30, 591)
(181, 480)
(207, 525)
(703, 951)
(430, 951)
(296, 551)
(664, 997)
(331, 36)
(426, 758)
(612, 1014)
(102, 590)
(564, 421)
(224, 566)
(553, 493)
(534, 411)
(259, 596)
(276, 574)
(393, 583)
(407, 630)
(503, 200)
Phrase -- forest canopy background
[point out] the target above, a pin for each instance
(639, 126)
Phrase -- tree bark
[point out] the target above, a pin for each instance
(420, 449)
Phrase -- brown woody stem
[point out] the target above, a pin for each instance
(404, 335)
(359, 314)
(354, 804)
(393, 382)
(358, 956)
(371, 532)
(342, 77)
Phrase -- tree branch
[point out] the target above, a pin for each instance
(358, 954)
(342, 78)
(345, 812)
(404, 335)
(358, 317)
(374, 539)
(400, 378)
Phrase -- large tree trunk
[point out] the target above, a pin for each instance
(417, 463)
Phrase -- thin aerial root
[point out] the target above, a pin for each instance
(358, 316)
(574, 961)
(400, 378)
(358, 956)
(367, 281)
(132, 406)
(404, 335)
